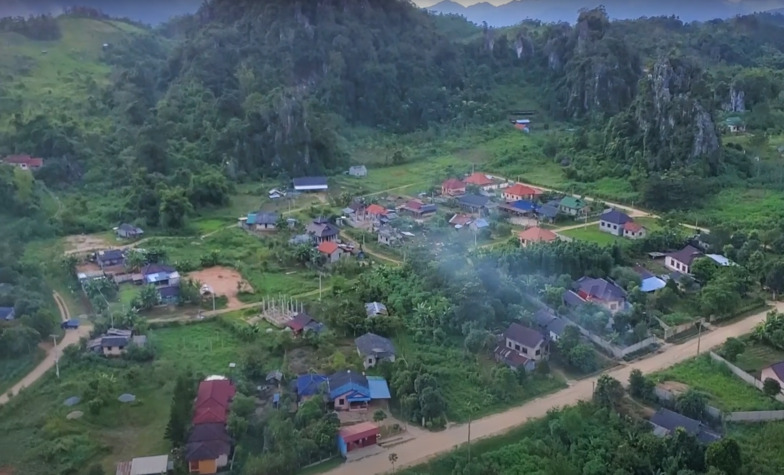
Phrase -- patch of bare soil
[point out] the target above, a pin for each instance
(223, 281)
(674, 387)
(85, 243)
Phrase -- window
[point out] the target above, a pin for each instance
(525, 350)
(538, 352)
(509, 344)
(194, 466)
(517, 347)
(341, 401)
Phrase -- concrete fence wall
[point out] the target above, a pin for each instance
(665, 395)
(671, 331)
(754, 416)
(746, 377)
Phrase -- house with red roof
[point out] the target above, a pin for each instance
(634, 230)
(209, 444)
(357, 436)
(479, 179)
(453, 187)
(418, 208)
(519, 192)
(25, 162)
(536, 234)
(330, 250)
(375, 211)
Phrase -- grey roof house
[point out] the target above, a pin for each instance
(521, 347)
(322, 230)
(473, 203)
(612, 221)
(551, 325)
(681, 261)
(129, 231)
(374, 349)
(358, 171)
(375, 309)
(601, 292)
(665, 422)
(310, 183)
(110, 257)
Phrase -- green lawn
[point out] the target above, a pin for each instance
(747, 208)
(206, 346)
(758, 356)
(593, 234)
(725, 391)
(762, 446)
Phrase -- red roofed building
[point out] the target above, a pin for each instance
(217, 391)
(536, 234)
(331, 250)
(357, 436)
(460, 220)
(375, 211)
(453, 187)
(633, 230)
(25, 162)
(519, 192)
(478, 179)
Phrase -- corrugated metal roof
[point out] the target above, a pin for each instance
(378, 388)
(155, 465)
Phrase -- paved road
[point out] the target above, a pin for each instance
(71, 337)
(428, 444)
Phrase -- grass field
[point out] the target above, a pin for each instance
(758, 356)
(725, 391)
(762, 446)
(593, 234)
(747, 208)
(13, 369)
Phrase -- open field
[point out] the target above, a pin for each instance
(223, 281)
(761, 445)
(13, 369)
(724, 390)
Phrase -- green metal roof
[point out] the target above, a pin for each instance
(733, 121)
(572, 202)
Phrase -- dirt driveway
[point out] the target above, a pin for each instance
(223, 281)
(430, 444)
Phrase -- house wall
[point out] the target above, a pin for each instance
(528, 352)
(369, 361)
(206, 467)
(113, 351)
(638, 235)
(265, 227)
(676, 265)
(615, 229)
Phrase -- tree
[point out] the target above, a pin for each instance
(149, 297)
(704, 269)
(640, 386)
(181, 408)
(771, 387)
(719, 298)
(725, 455)
(608, 392)
(692, 404)
(174, 207)
(732, 348)
(774, 278)
(392, 460)
(379, 416)
(583, 358)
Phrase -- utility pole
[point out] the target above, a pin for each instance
(469, 436)
(319, 286)
(699, 337)
(56, 356)
(213, 301)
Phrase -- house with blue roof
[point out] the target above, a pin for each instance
(649, 281)
(349, 390)
(7, 313)
(260, 221)
(520, 207)
(309, 385)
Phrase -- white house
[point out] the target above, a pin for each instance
(681, 261)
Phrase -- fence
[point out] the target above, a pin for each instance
(671, 331)
(754, 416)
(743, 375)
(668, 396)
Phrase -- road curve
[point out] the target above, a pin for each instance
(431, 444)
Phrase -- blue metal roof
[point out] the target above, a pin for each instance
(276, 397)
(251, 219)
(6, 313)
(524, 205)
(378, 388)
(652, 284)
(308, 384)
(481, 223)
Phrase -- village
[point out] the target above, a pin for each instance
(575, 328)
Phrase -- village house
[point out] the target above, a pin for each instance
(310, 183)
(620, 224)
(453, 187)
(261, 221)
(480, 180)
(548, 211)
(110, 258)
(303, 323)
(115, 342)
(460, 220)
(601, 292)
(519, 191)
(418, 209)
(357, 436)
(682, 260)
(358, 171)
(374, 349)
(571, 206)
(774, 372)
(209, 445)
(536, 234)
(352, 391)
(479, 225)
(519, 208)
(128, 231)
(389, 236)
(473, 203)
(665, 422)
(330, 250)
(634, 230)
(7, 314)
(155, 465)
(649, 282)
(521, 347)
(25, 162)
(375, 212)
(322, 230)
(310, 385)
(549, 324)
(734, 125)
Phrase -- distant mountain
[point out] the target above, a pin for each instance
(146, 11)
(566, 10)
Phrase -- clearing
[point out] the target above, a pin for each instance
(223, 281)
(85, 243)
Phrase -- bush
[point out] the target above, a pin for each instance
(771, 387)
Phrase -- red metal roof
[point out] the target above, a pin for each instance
(218, 392)
(460, 219)
(414, 204)
(376, 210)
(328, 247)
(24, 159)
(478, 179)
(521, 190)
(453, 184)
(298, 323)
(632, 227)
(358, 431)
(210, 413)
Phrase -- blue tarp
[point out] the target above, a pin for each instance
(378, 388)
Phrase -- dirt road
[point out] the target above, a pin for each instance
(71, 337)
(431, 444)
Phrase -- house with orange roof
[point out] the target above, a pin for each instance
(536, 234)
(330, 250)
(375, 211)
(453, 187)
(479, 179)
(519, 192)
